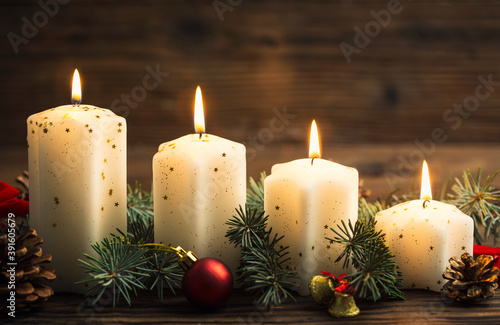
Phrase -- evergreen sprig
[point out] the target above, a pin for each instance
(139, 204)
(120, 268)
(255, 193)
(261, 269)
(480, 201)
(376, 270)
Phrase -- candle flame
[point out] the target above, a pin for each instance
(199, 118)
(314, 150)
(76, 93)
(425, 190)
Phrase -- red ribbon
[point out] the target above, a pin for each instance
(487, 250)
(344, 285)
(9, 203)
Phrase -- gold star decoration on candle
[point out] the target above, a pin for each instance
(97, 116)
(33, 131)
(223, 154)
(300, 254)
(113, 146)
(102, 208)
(56, 200)
(401, 236)
(165, 197)
(119, 123)
(45, 130)
(277, 207)
(108, 140)
(171, 169)
(110, 192)
(463, 248)
(119, 130)
(431, 248)
(326, 226)
(103, 177)
(90, 130)
(54, 224)
(116, 204)
(439, 282)
(328, 246)
(67, 130)
(86, 125)
(216, 169)
(31, 122)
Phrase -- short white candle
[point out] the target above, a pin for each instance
(198, 182)
(304, 199)
(77, 165)
(423, 235)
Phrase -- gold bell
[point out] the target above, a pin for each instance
(322, 289)
(343, 306)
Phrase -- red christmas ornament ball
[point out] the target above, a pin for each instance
(207, 283)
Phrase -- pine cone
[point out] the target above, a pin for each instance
(30, 277)
(470, 280)
(24, 181)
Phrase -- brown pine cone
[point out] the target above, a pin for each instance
(470, 280)
(31, 278)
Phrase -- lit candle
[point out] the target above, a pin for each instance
(199, 180)
(77, 165)
(423, 235)
(304, 199)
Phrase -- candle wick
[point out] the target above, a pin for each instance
(425, 201)
(312, 161)
(201, 134)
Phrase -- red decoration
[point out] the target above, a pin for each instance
(207, 283)
(487, 250)
(344, 285)
(9, 203)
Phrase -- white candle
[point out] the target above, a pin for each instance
(77, 165)
(198, 182)
(304, 199)
(423, 235)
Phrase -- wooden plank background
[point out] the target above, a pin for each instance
(420, 307)
(264, 55)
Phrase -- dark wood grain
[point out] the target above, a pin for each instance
(264, 55)
(420, 307)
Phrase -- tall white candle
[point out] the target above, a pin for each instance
(198, 182)
(304, 199)
(77, 165)
(423, 235)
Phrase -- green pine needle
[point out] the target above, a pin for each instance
(164, 271)
(246, 226)
(262, 269)
(139, 204)
(377, 272)
(255, 193)
(120, 268)
(481, 202)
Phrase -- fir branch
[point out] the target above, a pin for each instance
(255, 193)
(264, 273)
(119, 267)
(139, 203)
(478, 201)
(141, 230)
(261, 269)
(246, 226)
(353, 239)
(377, 272)
(164, 271)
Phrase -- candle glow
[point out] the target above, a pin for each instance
(314, 149)
(76, 92)
(199, 118)
(425, 190)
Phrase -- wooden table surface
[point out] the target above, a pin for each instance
(420, 307)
